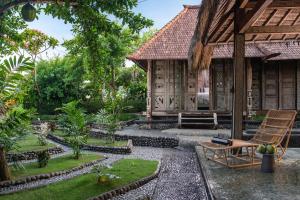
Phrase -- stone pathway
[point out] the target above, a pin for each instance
(179, 179)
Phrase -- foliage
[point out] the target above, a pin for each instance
(110, 115)
(13, 71)
(43, 158)
(74, 123)
(103, 178)
(61, 80)
(42, 134)
(86, 187)
(35, 42)
(11, 24)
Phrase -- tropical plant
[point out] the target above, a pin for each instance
(14, 119)
(43, 158)
(75, 127)
(103, 178)
(109, 116)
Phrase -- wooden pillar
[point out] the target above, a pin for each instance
(238, 78)
(149, 91)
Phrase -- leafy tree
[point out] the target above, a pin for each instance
(35, 42)
(14, 120)
(10, 25)
(75, 127)
(61, 80)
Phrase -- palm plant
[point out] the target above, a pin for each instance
(14, 119)
(74, 123)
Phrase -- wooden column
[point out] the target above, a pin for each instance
(149, 90)
(238, 78)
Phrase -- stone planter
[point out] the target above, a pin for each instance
(268, 163)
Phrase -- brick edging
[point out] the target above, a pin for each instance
(123, 189)
(29, 179)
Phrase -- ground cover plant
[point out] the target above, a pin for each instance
(54, 165)
(30, 142)
(85, 186)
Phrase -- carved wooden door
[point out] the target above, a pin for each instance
(287, 85)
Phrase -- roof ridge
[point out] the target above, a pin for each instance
(191, 6)
(160, 32)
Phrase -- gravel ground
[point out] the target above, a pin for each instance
(179, 179)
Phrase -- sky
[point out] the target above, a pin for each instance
(160, 11)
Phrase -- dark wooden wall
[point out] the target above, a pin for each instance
(274, 85)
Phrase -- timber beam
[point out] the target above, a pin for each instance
(284, 29)
(277, 4)
(254, 14)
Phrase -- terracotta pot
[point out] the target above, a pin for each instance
(268, 163)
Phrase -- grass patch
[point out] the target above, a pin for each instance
(30, 143)
(54, 165)
(85, 186)
(97, 141)
(102, 142)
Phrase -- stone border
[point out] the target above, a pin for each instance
(131, 186)
(114, 150)
(28, 179)
(205, 179)
(159, 142)
(31, 155)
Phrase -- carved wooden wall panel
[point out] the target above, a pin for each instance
(191, 89)
(167, 85)
(287, 85)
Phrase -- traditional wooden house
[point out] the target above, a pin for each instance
(271, 80)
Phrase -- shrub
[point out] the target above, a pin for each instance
(43, 157)
(42, 134)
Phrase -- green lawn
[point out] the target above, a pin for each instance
(30, 143)
(54, 165)
(97, 141)
(85, 186)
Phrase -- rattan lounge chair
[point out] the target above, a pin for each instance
(275, 129)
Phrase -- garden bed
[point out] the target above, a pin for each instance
(56, 167)
(30, 143)
(159, 142)
(131, 172)
(93, 145)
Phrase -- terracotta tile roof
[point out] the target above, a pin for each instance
(173, 40)
(287, 50)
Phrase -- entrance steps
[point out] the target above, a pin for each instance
(201, 120)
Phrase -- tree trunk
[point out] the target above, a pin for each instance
(4, 170)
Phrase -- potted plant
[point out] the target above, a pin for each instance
(268, 161)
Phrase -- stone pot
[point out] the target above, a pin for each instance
(268, 163)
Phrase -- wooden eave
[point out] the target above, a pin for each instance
(262, 21)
